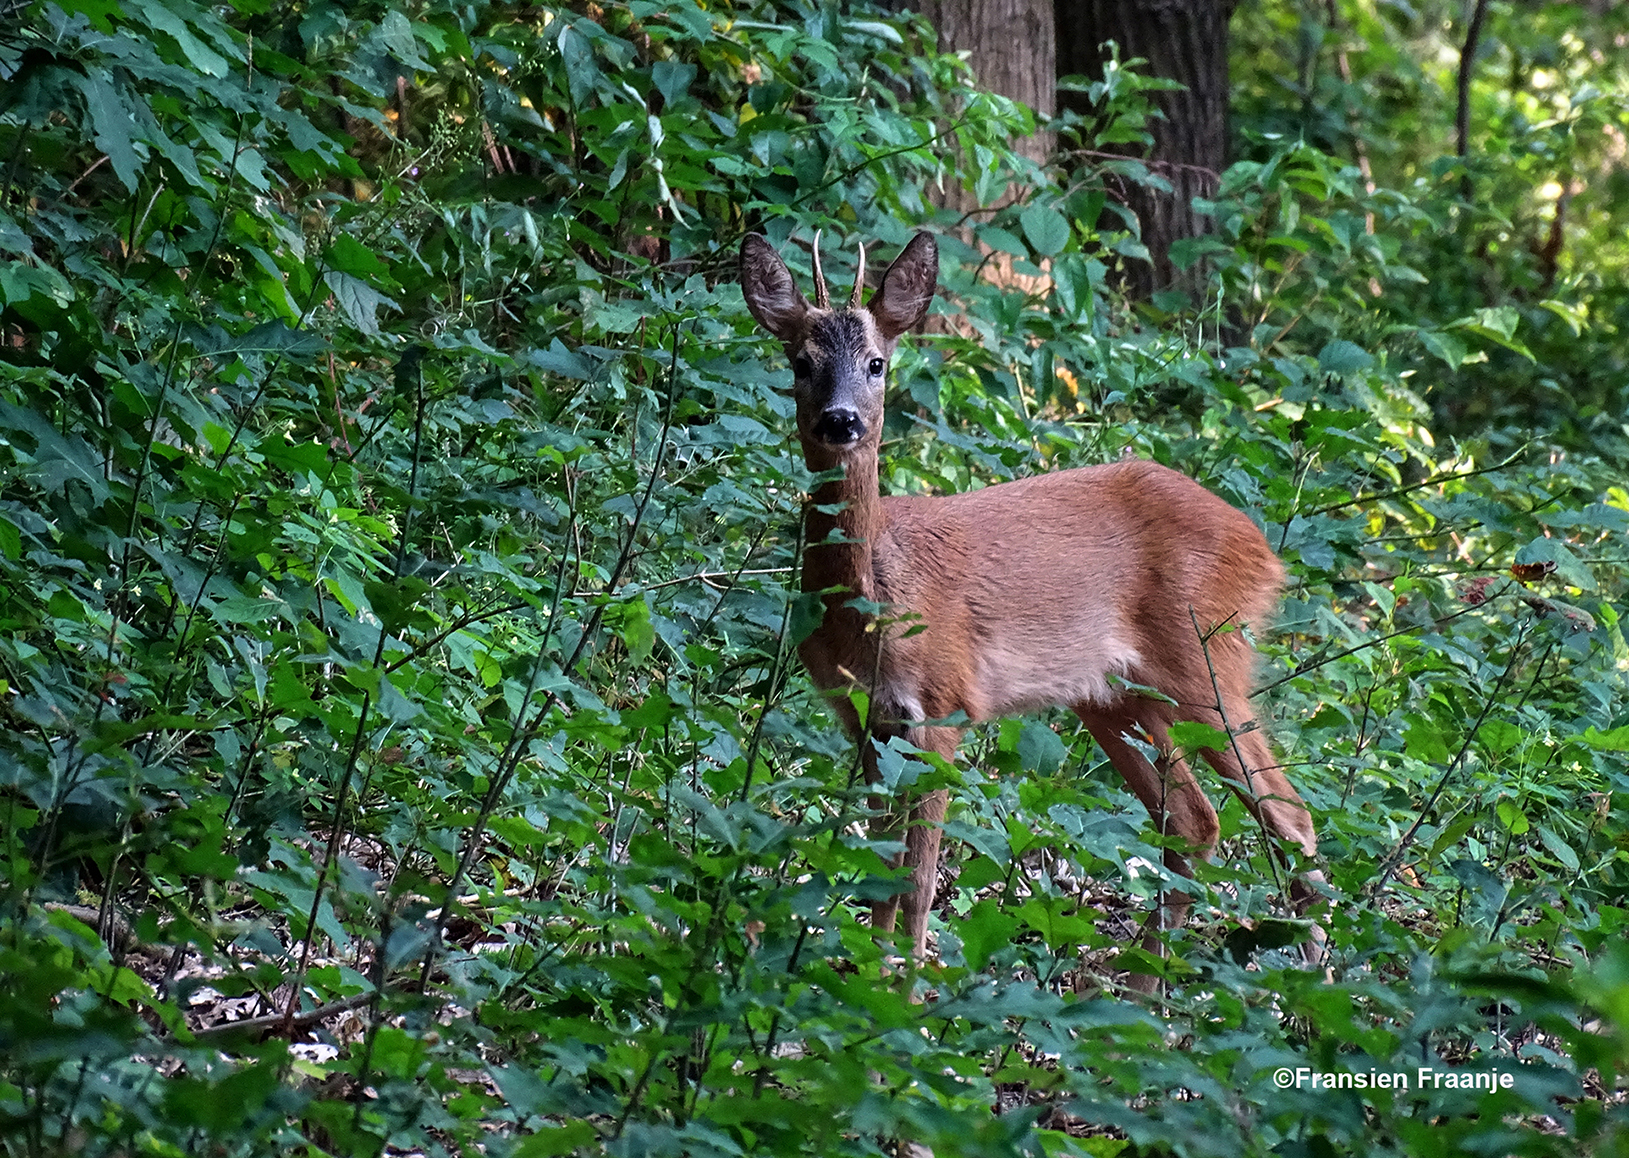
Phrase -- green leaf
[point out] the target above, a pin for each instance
(1445, 346)
(1575, 318)
(240, 609)
(19, 283)
(1452, 835)
(695, 22)
(1342, 357)
(112, 122)
(979, 872)
(1046, 229)
(1040, 749)
(198, 54)
(1075, 280)
(711, 819)
(559, 360)
(395, 32)
(347, 255)
(1059, 920)
(397, 603)
(358, 299)
(553, 1141)
(984, 931)
(1512, 817)
(632, 623)
(57, 459)
(1422, 739)
(582, 73)
(1615, 740)
(1498, 325)
(672, 79)
(1002, 241)
(1192, 736)
(808, 613)
(1559, 848)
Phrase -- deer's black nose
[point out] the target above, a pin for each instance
(839, 427)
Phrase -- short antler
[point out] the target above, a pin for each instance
(859, 281)
(821, 300)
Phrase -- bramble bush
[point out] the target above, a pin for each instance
(404, 749)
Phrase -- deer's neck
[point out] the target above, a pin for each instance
(858, 522)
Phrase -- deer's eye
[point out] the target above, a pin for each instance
(877, 366)
(801, 367)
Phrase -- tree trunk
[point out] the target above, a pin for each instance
(1011, 49)
(1185, 41)
(1012, 52)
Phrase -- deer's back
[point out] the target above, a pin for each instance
(1038, 591)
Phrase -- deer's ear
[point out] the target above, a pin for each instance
(907, 288)
(771, 294)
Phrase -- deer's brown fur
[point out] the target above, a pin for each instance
(1055, 589)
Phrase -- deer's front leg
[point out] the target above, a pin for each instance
(922, 817)
(921, 836)
(922, 859)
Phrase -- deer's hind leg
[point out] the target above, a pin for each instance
(1216, 692)
(1256, 775)
(1249, 764)
(1168, 790)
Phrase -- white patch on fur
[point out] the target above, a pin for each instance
(903, 704)
(1021, 673)
(910, 708)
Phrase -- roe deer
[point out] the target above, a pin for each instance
(1053, 590)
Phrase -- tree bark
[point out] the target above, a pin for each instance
(1011, 48)
(1185, 41)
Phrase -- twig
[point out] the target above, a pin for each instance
(410, 363)
(1467, 63)
(699, 577)
(776, 673)
(509, 762)
(95, 165)
(1395, 857)
(1314, 664)
(1359, 500)
(1148, 162)
(288, 1023)
(1248, 772)
(869, 161)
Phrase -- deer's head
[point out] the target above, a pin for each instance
(839, 356)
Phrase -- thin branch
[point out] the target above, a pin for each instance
(410, 363)
(1319, 661)
(1395, 858)
(515, 751)
(884, 155)
(1467, 65)
(282, 1021)
(1233, 742)
(699, 577)
(1395, 491)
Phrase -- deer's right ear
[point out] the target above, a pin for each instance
(771, 294)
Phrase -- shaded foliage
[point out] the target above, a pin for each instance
(1522, 238)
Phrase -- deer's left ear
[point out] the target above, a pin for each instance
(907, 288)
(771, 294)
